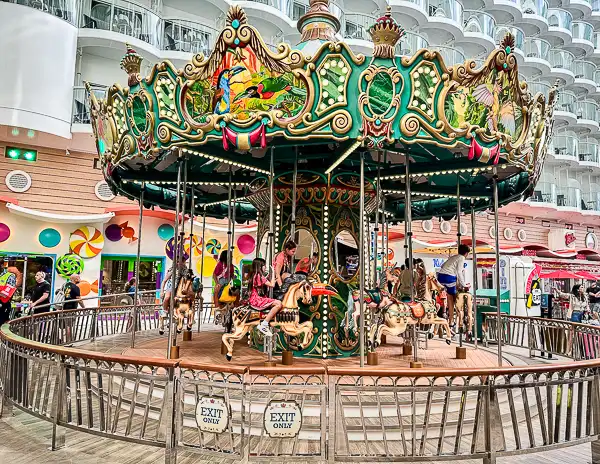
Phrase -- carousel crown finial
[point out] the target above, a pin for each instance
(132, 65)
(385, 34)
(318, 23)
(508, 43)
(236, 17)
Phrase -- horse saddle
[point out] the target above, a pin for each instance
(183, 300)
(417, 309)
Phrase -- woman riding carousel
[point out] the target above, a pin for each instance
(257, 287)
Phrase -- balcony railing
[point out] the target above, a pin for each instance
(357, 26)
(125, 18)
(595, 6)
(582, 30)
(588, 152)
(597, 77)
(590, 201)
(479, 22)
(565, 145)
(568, 197)
(535, 7)
(64, 9)
(584, 69)
(586, 109)
(518, 34)
(558, 17)
(561, 59)
(81, 108)
(536, 48)
(596, 40)
(188, 36)
(451, 55)
(411, 43)
(545, 192)
(538, 87)
(451, 9)
(298, 8)
(285, 6)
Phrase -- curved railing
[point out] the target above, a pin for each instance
(346, 413)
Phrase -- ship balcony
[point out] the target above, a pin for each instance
(537, 52)
(564, 149)
(544, 195)
(583, 38)
(535, 16)
(582, 8)
(584, 75)
(411, 12)
(183, 37)
(559, 26)
(561, 65)
(451, 54)
(590, 202)
(411, 43)
(356, 32)
(587, 115)
(479, 32)
(445, 20)
(568, 198)
(589, 155)
(64, 9)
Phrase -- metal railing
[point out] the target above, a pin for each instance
(81, 106)
(589, 153)
(566, 101)
(565, 145)
(560, 18)
(450, 9)
(596, 40)
(188, 36)
(538, 87)
(535, 7)
(63, 9)
(347, 414)
(536, 48)
(357, 25)
(586, 109)
(545, 192)
(568, 197)
(591, 199)
(451, 55)
(479, 22)
(584, 69)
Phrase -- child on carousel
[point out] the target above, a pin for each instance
(257, 286)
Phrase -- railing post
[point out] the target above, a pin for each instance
(5, 403)
(332, 420)
(171, 417)
(530, 336)
(596, 417)
(58, 434)
(94, 323)
(56, 327)
(574, 345)
(491, 456)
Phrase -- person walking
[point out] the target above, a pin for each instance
(452, 277)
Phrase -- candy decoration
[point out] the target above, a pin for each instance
(390, 254)
(246, 244)
(213, 246)
(113, 232)
(237, 275)
(169, 249)
(94, 286)
(165, 232)
(84, 287)
(196, 245)
(69, 264)
(237, 255)
(4, 232)
(87, 242)
(210, 264)
(128, 232)
(49, 238)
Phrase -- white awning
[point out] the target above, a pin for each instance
(61, 218)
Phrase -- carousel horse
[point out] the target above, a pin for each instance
(246, 317)
(464, 303)
(395, 318)
(183, 305)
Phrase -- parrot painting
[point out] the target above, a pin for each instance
(489, 95)
(267, 88)
(222, 97)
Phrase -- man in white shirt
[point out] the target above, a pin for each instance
(452, 277)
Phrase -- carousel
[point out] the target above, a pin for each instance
(326, 148)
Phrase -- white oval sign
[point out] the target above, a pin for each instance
(283, 419)
(212, 414)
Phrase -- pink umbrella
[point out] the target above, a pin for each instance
(588, 275)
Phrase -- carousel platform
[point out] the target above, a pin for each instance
(205, 347)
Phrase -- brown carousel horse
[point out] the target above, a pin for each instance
(246, 317)
(463, 305)
(184, 303)
(395, 318)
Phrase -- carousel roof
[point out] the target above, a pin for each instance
(228, 112)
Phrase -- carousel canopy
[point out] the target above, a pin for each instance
(323, 107)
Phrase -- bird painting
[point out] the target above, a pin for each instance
(489, 95)
(267, 88)
(222, 98)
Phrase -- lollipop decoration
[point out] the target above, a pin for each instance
(213, 246)
(196, 245)
(87, 242)
(246, 244)
(69, 264)
(170, 248)
(4, 232)
(49, 238)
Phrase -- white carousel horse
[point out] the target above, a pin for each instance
(246, 317)
(395, 318)
(184, 304)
